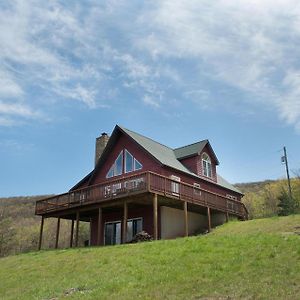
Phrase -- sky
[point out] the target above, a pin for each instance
(175, 71)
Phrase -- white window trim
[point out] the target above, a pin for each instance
(205, 169)
(125, 164)
(175, 185)
(197, 188)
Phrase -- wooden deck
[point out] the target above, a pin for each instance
(146, 182)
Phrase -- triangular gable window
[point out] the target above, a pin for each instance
(137, 165)
(117, 167)
(130, 164)
(129, 167)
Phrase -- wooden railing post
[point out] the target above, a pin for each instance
(41, 233)
(186, 221)
(57, 232)
(125, 216)
(148, 182)
(208, 220)
(72, 233)
(155, 226)
(99, 231)
(77, 229)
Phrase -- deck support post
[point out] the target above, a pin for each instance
(208, 220)
(186, 221)
(72, 233)
(99, 231)
(125, 217)
(155, 227)
(41, 233)
(227, 216)
(77, 229)
(57, 232)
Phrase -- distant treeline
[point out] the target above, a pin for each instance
(19, 227)
(271, 197)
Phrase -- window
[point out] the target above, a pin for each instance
(175, 184)
(206, 165)
(197, 190)
(137, 165)
(107, 190)
(117, 167)
(116, 188)
(130, 164)
(231, 197)
(135, 184)
(119, 164)
(134, 226)
(112, 233)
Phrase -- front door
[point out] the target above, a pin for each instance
(112, 233)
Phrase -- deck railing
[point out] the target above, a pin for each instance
(137, 184)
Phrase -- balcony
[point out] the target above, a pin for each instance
(146, 182)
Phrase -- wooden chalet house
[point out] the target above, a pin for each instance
(139, 184)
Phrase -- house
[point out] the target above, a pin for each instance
(139, 184)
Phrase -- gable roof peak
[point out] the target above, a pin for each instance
(140, 135)
(202, 141)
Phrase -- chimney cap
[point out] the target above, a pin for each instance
(103, 133)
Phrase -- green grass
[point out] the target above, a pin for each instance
(257, 259)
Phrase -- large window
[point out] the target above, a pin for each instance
(134, 226)
(112, 233)
(117, 167)
(130, 164)
(206, 165)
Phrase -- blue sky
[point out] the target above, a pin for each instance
(176, 71)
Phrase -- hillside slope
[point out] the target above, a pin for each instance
(19, 227)
(258, 259)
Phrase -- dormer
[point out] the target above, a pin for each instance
(199, 158)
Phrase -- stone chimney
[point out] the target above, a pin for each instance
(101, 142)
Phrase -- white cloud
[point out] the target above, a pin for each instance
(158, 50)
(8, 86)
(246, 45)
(17, 109)
(148, 100)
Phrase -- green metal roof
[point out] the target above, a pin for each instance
(224, 183)
(190, 150)
(169, 157)
(162, 153)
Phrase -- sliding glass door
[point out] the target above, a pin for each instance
(112, 233)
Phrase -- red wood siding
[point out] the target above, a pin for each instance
(191, 163)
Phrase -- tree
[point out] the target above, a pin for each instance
(286, 204)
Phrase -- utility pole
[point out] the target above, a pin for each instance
(285, 161)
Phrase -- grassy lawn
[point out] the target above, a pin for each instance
(257, 259)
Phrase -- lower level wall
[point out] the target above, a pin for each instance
(172, 222)
(217, 219)
(146, 213)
